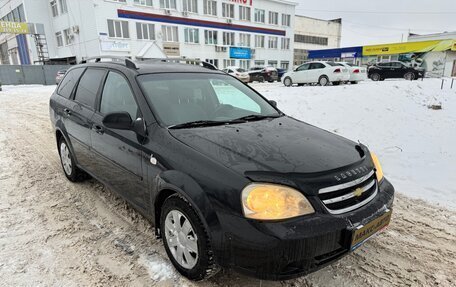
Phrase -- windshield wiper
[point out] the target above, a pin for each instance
(202, 123)
(255, 118)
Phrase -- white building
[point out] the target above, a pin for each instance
(315, 34)
(224, 32)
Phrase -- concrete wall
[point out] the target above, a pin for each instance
(29, 74)
(320, 28)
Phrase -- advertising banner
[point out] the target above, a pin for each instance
(409, 47)
(240, 53)
(14, 27)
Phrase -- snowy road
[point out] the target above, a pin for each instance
(56, 233)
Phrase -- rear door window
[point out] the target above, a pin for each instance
(67, 85)
(315, 66)
(88, 87)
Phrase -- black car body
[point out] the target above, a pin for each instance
(206, 166)
(396, 69)
(280, 73)
(263, 73)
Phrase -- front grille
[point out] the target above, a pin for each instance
(349, 196)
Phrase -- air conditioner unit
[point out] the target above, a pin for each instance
(75, 29)
(229, 21)
(167, 12)
(185, 13)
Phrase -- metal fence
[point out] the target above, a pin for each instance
(29, 74)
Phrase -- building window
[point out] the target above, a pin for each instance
(259, 41)
(286, 20)
(272, 43)
(244, 13)
(54, 8)
(311, 39)
(228, 38)
(69, 37)
(144, 2)
(285, 43)
(273, 18)
(118, 29)
(191, 35)
(145, 31)
(227, 10)
(190, 6)
(229, 63)
(244, 40)
(210, 7)
(168, 4)
(244, 64)
(285, 65)
(59, 38)
(272, 63)
(259, 15)
(210, 37)
(259, 63)
(120, 1)
(63, 6)
(170, 33)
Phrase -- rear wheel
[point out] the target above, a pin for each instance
(409, 76)
(72, 172)
(375, 77)
(323, 81)
(287, 82)
(261, 79)
(186, 240)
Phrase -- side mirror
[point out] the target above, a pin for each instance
(273, 103)
(118, 120)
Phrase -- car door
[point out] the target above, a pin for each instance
(118, 153)
(315, 71)
(398, 69)
(79, 114)
(301, 75)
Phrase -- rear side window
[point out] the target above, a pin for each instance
(117, 96)
(68, 83)
(88, 87)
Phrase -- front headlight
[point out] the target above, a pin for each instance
(272, 202)
(378, 167)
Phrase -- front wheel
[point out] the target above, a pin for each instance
(287, 82)
(409, 76)
(186, 240)
(375, 77)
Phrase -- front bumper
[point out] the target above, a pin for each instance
(292, 248)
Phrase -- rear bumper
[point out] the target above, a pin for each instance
(292, 248)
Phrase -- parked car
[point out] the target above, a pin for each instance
(319, 72)
(263, 73)
(238, 72)
(59, 76)
(226, 178)
(280, 73)
(395, 69)
(357, 74)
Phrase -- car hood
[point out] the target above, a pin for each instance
(282, 145)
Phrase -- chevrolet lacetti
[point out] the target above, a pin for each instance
(225, 177)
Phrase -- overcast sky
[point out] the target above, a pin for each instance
(385, 21)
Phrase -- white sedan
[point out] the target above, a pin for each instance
(318, 72)
(238, 72)
(357, 74)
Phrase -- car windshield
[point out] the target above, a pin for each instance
(180, 98)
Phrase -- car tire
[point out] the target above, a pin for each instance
(376, 77)
(409, 76)
(189, 234)
(261, 79)
(323, 81)
(288, 82)
(71, 171)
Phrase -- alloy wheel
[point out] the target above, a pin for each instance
(65, 157)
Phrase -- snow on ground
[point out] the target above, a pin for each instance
(416, 145)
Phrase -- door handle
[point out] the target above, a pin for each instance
(67, 111)
(98, 129)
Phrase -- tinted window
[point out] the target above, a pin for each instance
(303, 67)
(385, 65)
(67, 84)
(397, 65)
(314, 66)
(88, 87)
(117, 96)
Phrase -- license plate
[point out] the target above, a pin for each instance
(365, 232)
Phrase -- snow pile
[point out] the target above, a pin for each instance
(399, 120)
(159, 269)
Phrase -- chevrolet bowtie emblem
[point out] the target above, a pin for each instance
(358, 192)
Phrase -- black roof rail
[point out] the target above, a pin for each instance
(201, 63)
(115, 59)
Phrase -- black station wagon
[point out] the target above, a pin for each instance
(225, 177)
